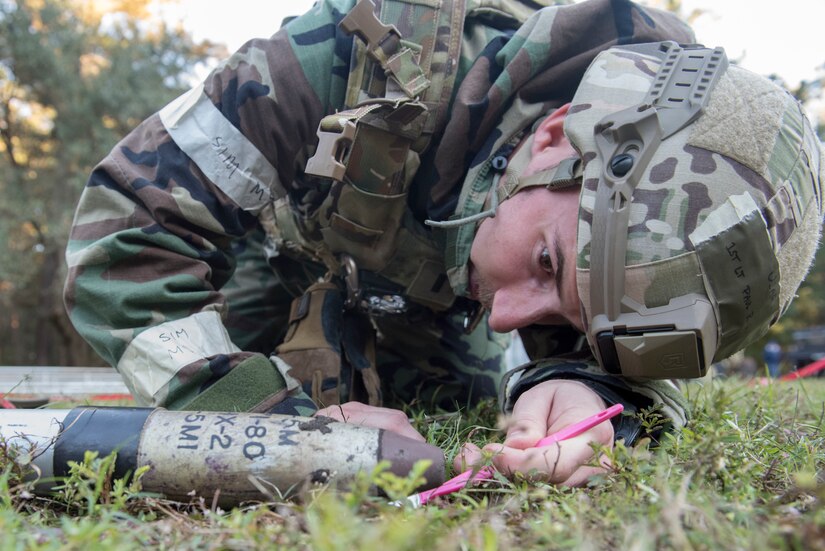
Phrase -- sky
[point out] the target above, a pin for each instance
(764, 39)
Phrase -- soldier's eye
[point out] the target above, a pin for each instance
(545, 261)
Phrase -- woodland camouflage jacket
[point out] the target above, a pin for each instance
(152, 242)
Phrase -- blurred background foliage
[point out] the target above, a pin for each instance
(76, 76)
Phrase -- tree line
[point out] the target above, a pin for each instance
(73, 81)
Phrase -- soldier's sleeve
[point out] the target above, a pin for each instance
(634, 394)
(565, 356)
(150, 247)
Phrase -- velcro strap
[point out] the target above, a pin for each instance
(312, 319)
(299, 308)
(406, 71)
(252, 385)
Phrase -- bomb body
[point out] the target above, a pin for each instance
(231, 454)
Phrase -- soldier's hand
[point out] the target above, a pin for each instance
(371, 416)
(541, 411)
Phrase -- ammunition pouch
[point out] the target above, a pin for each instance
(369, 166)
(368, 155)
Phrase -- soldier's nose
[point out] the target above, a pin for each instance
(512, 310)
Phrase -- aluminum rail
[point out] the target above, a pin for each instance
(60, 381)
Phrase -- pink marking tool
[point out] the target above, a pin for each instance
(486, 473)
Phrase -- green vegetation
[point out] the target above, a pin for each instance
(73, 80)
(745, 474)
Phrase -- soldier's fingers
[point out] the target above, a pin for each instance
(548, 407)
(556, 463)
(528, 423)
(582, 474)
(469, 456)
(333, 412)
(374, 417)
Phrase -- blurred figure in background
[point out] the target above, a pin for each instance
(772, 355)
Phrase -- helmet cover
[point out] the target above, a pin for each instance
(728, 207)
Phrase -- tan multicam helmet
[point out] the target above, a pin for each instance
(700, 210)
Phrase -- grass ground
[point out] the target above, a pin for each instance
(747, 473)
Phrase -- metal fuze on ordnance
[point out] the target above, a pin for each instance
(233, 455)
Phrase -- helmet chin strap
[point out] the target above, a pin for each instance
(566, 174)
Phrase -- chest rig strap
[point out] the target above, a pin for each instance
(385, 47)
(406, 49)
(370, 151)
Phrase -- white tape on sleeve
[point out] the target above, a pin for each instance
(158, 354)
(219, 149)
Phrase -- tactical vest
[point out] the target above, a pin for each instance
(398, 91)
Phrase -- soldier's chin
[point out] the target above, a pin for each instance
(473, 285)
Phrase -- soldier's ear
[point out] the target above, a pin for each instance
(550, 145)
(550, 131)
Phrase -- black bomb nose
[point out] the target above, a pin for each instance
(403, 453)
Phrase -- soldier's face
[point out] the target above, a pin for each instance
(523, 260)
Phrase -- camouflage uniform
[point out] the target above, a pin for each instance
(167, 274)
